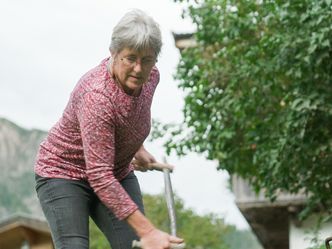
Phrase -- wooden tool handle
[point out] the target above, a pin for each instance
(157, 166)
(161, 166)
(137, 244)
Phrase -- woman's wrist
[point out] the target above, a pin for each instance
(140, 224)
(140, 150)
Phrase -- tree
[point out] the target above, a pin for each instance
(259, 93)
(206, 231)
(199, 231)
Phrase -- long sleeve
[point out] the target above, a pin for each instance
(97, 136)
(97, 125)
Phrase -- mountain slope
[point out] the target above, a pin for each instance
(18, 149)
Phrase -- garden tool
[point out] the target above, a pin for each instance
(167, 169)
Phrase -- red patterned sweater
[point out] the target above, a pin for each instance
(97, 136)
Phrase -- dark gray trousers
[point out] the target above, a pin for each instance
(67, 205)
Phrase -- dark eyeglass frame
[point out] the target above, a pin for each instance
(132, 61)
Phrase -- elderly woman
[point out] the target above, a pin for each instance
(83, 167)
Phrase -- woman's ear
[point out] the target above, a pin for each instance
(114, 54)
(111, 66)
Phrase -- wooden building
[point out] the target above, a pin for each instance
(24, 232)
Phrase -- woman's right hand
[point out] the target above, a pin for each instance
(157, 239)
(150, 237)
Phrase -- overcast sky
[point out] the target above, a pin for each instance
(46, 46)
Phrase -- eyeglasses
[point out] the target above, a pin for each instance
(132, 61)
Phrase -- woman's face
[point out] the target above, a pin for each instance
(132, 68)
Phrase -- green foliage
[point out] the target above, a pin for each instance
(318, 247)
(242, 239)
(97, 238)
(199, 231)
(259, 93)
(207, 231)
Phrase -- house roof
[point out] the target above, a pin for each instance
(22, 220)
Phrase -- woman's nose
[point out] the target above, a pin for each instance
(138, 67)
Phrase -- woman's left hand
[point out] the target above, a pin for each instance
(142, 159)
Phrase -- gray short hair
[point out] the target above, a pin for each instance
(138, 31)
